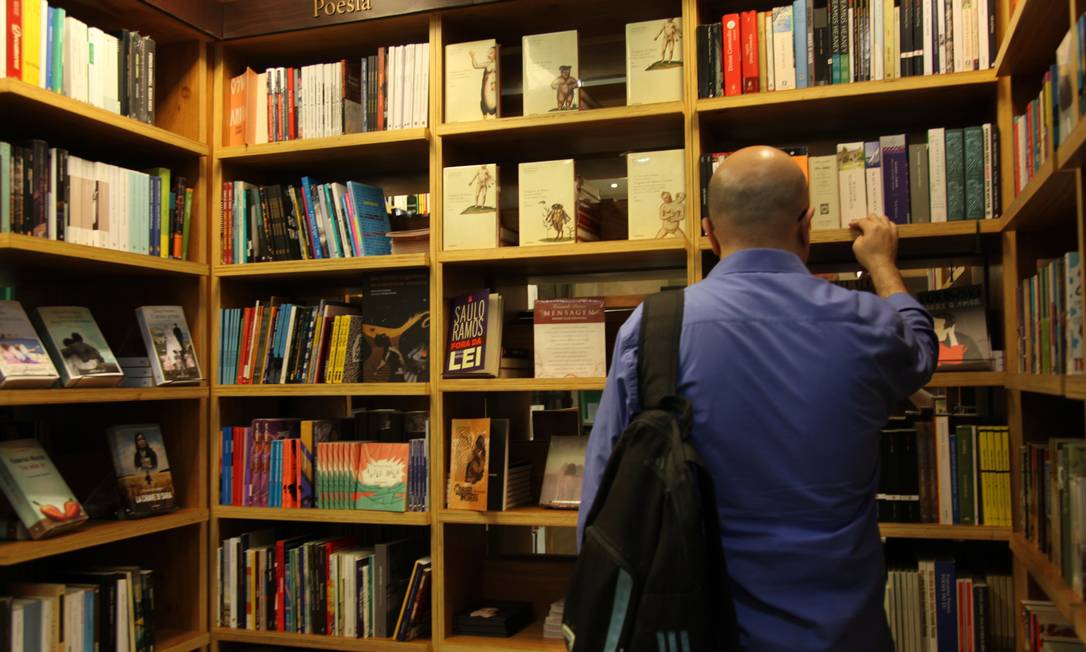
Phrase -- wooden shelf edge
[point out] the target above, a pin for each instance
(1050, 384)
(324, 266)
(366, 517)
(520, 384)
(322, 389)
(904, 231)
(100, 255)
(181, 641)
(331, 143)
(944, 532)
(605, 248)
(560, 119)
(65, 396)
(538, 516)
(1050, 181)
(968, 379)
(314, 641)
(1047, 576)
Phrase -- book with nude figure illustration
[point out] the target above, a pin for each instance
(657, 194)
(551, 74)
(548, 202)
(961, 326)
(470, 212)
(78, 348)
(654, 61)
(472, 81)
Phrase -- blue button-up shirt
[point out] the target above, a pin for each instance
(790, 378)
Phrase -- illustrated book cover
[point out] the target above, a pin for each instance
(169, 345)
(474, 343)
(654, 61)
(469, 455)
(396, 327)
(142, 469)
(548, 202)
(961, 326)
(471, 207)
(472, 81)
(33, 486)
(657, 195)
(23, 359)
(569, 338)
(382, 477)
(78, 348)
(551, 76)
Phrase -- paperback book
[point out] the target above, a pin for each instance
(468, 464)
(169, 345)
(23, 360)
(142, 469)
(961, 326)
(472, 81)
(569, 338)
(548, 200)
(654, 61)
(78, 348)
(657, 195)
(551, 76)
(396, 327)
(34, 488)
(471, 207)
(474, 342)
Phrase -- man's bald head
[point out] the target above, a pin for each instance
(756, 197)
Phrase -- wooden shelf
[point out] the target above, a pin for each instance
(175, 640)
(967, 379)
(1047, 198)
(27, 251)
(1050, 384)
(322, 389)
(520, 384)
(1031, 36)
(315, 641)
(367, 517)
(904, 231)
(607, 255)
(1047, 576)
(529, 638)
(944, 532)
(96, 533)
(63, 396)
(321, 268)
(18, 97)
(373, 145)
(1072, 153)
(596, 118)
(539, 516)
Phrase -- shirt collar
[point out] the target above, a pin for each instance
(760, 260)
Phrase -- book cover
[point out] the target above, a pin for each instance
(961, 327)
(753, 62)
(919, 191)
(33, 486)
(657, 199)
(937, 174)
(873, 177)
(547, 200)
(825, 200)
(973, 138)
(396, 327)
(800, 28)
(895, 177)
(1064, 94)
(368, 206)
(474, 338)
(1072, 302)
(851, 181)
(472, 81)
(78, 349)
(730, 55)
(382, 477)
(568, 336)
(784, 58)
(23, 359)
(169, 345)
(654, 61)
(468, 458)
(564, 473)
(954, 152)
(471, 207)
(550, 74)
(142, 469)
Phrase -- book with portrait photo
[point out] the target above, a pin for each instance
(471, 207)
(961, 326)
(142, 470)
(169, 345)
(550, 73)
(657, 194)
(472, 81)
(78, 348)
(23, 359)
(654, 61)
(468, 465)
(548, 202)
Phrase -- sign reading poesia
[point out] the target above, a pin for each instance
(337, 7)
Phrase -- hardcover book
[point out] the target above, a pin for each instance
(23, 360)
(471, 207)
(851, 181)
(472, 81)
(169, 345)
(973, 149)
(873, 177)
(784, 55)
(142, 469)
(733, 71)
(550, 72)
(748, 45)
(565, 473)
(569, 338)
(895, 178)
(474, 342)
(469, 455)
(548, 202)
(382, 477)
(33, 486)
(919, 192)
(961, 327)
(396, 327)
(955, 174)
(657, 199)
(654, 61)
(825, 199)
(937, 173)
(78, 348)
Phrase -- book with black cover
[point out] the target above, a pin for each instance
(396, 327)
(493, 618)
(961, 327)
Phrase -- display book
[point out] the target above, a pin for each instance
(499, 618)
(107, 608)
(949, 175)
(377, 460)
(1050, 317)
(333, 586)
(556, 206)
(569, 338)
(474, 343)
(380, 334)
(386, 90)
(481, 476)
(169, 345)
(24, 361)
(1052, 503)
(142, 470)
(36, 491)
(77, 347)
(960, 319)
(1048, 630)
(801, 45)
(50, 49)
(47, 192)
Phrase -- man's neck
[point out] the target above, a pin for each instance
(734, 248)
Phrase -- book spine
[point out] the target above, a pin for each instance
(748, 32)
(702, 35)
(895, 178)
(733, 78)
(919, 191)
(955, 174)
(974, 173)
(799, 41)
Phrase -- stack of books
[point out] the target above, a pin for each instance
(1048, 630)
(1050, 318)
(552, 626)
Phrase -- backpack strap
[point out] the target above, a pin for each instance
(658, 347)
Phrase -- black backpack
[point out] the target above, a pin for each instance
(651, 574)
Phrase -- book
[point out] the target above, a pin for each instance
(731, 56)
(973, 151)
(23, 360)
(472, 81)
(657, 199)
(753, 56)
(937, 174)
(382, 477)
(550, 74)
(654, 61)
(78, 349)
(919, 190)
(547, 198)
(34, 488)
(784, 56)
(169, 345)
(873, 166)
(961, 327)
(468, 459)
(1064, 94)
(493, 618)
(568, 336)
(471, 207)
(852, 186)
(142, 469)
(954, 150)
(474, 342)
(825, 200)
(564, 473)
(396, 327)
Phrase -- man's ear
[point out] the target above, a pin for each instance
(707, 226)
(805, 228)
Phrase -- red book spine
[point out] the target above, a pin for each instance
(1029, 141)
(15, 39)
(270, 100)
(748, 33)
(381, 60)
(280, 586)
(246, 340)
(733, 81)
(240, 433)
(291, 126)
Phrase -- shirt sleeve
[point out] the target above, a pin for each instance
(915, 349)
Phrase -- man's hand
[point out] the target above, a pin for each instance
(875, 246)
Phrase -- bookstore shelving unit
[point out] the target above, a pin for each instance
(112, 284)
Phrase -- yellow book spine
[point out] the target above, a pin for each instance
(330, 354)
(32, 42)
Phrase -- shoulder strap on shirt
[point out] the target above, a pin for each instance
(658, 347)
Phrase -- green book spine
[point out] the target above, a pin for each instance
(58, 49)
(955, 174)
(965, 475)
(919, 192)
(188, 219)
(974, 173)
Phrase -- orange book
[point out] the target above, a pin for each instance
(469, 464)
(248, 121)
(236, 122)
(748, 36)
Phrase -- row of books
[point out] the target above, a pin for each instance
(954, 175)
(1050, 317)
(1053, 501)
(817, 42)
(331, 586)
(44, 46)
(1046, 630)
(380, 336)
(64, 345)
(387, 90)
(933, 473)
(1046, 120)
(109, 608)
(935, 606)
(48, 193)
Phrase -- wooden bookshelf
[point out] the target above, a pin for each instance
(323, 389)
(1050, 384)
(967, 379)
(610, 118)
(299, 153)
(1031, 36)
(30, 252)
(325, 268)
(530, 638)
(1048, 577)
(65, 396)
(944, 532)
(173, 640)
(578, 257)
(357, 516)
(1044, 200)
(520, 384)
(316, 641)
(534, 516)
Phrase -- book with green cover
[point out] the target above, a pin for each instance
(965, 475)
(955, 175)
(382, 477)
(919, 192)
(974, 173)
(33, 486)
(78, 348)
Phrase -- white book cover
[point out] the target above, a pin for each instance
(897, 41)
(654, 61)
(407, 84)
(946, 63)
(849, 63)
(937, 173)
(397, 83)
(79, 84)
(873, 177)
(551, 75)
(548, 202)
(262, 107)
(470, 209)
(24, 361)
(959, 35)
(169, 345)
(877, 29)
(929, 51)
(825, 201)
(770, 68)
(68, 64)
(656, 184)
(569, 339)
(984, 61)
(111, 88)
(942, 457)
(784, 59)
(851, 181)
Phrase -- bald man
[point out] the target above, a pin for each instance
(790, 379)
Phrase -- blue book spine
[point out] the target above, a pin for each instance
(89, 619)
(273, 479)
(156, 215)
(799, 40)
(369, 206)
(314, 235)
(224, 491)
(224, 329)
(946, 606)
(342, 250)
(895, 178)
(954, 478)
(50, 35)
